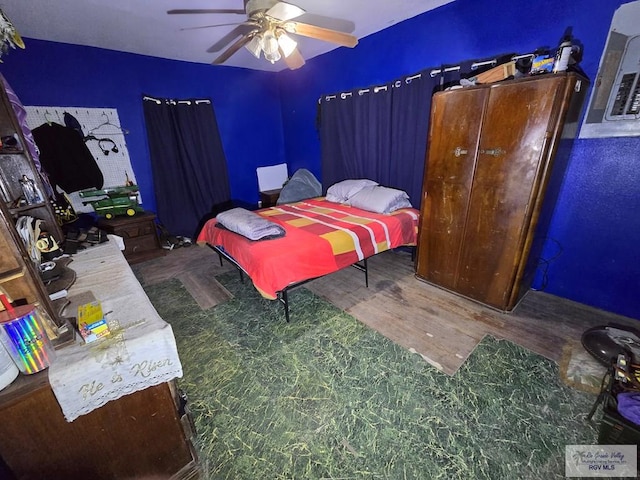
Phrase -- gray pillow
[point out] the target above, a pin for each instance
(380, 199)
(342, 191)
(302, 185)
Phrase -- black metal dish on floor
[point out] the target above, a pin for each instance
(606, 342)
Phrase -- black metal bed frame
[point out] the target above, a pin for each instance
(283, 295)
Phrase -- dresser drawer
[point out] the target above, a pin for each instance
(141, 244)
(139, 234)
(136, 230)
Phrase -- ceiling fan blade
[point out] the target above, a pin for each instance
(181, 11)
(294, 60)
(241, 42)
(284, 11)
(242, 29)
(210, 26)
(331, 23)
(320, 33)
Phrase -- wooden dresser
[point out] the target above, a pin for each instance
(490, 156)
(138, 435)
(146, 433)
(139, 233)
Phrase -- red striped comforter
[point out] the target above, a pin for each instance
(321, 237)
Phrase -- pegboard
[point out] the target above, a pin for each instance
(101, 123)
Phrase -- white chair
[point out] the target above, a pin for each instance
(270, 181)
(272, 177)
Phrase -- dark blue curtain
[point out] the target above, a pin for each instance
(410, 119)
(378, 133)
(189, 167)
(381, 132)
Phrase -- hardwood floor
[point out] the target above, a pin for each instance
(441, 326)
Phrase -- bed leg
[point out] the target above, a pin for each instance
(219, 257)
(366, 273)
(284, 298)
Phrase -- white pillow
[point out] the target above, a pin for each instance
(342, 191)
(380, 199)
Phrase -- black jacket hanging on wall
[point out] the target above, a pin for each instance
(66, 158)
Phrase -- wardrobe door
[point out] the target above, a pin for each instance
(456, 117)
(512, 157)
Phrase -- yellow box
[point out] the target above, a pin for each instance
(91, 322)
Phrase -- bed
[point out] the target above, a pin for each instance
(321, 237)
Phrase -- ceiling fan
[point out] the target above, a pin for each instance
(266, 31)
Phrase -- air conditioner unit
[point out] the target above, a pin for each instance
(614, 107)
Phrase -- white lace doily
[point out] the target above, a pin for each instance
(139, 352)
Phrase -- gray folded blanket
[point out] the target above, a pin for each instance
(249, 224)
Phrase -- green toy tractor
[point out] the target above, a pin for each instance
(114, 201)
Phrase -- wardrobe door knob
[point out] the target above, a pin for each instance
(495, 152)
(460, 151)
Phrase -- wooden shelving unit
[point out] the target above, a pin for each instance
(19, 274)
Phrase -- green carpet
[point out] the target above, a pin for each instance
(325, 397)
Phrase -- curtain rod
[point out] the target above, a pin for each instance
(432, 73)
(435, 72)
(174, 102)
(476, 65)
(481, 64)
(518, 57)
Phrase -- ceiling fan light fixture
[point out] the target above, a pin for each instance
(266, 30)
(286, 43)
(273, 57)
(255, 46)
(270, 46)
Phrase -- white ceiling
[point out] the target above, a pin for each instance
(143, 26)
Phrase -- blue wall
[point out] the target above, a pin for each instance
(247, 103)
(596, 225)
(266, 118)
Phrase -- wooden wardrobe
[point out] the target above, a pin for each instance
(489, 160)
